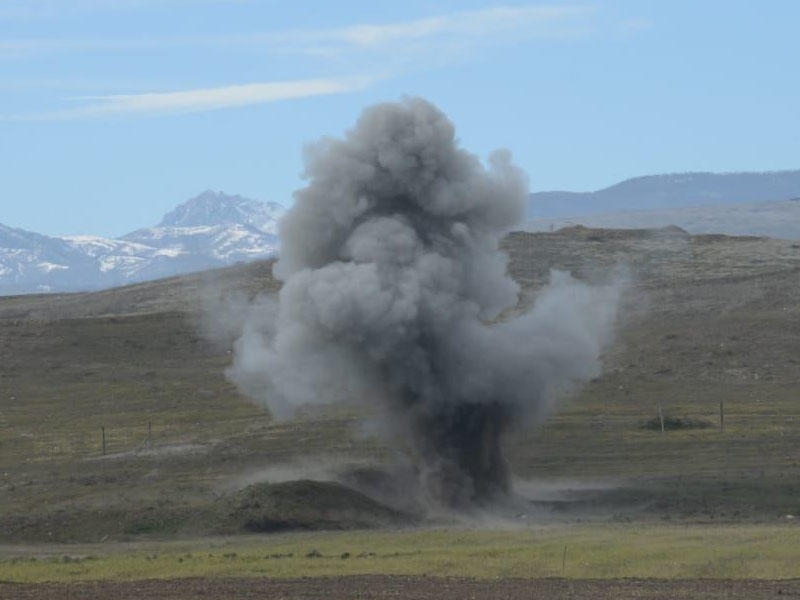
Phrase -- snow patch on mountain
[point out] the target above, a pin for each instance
(210, 230)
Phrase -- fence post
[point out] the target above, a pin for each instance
(661, 416)
(721, 415)
(103, 436)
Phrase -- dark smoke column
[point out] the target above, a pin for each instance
(392, 280)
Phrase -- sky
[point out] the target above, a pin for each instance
(114, 111)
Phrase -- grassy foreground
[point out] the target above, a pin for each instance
(592, 551)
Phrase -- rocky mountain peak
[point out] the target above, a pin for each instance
(217, 208)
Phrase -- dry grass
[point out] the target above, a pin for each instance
(707, 320)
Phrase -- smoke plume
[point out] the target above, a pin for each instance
(393, 289)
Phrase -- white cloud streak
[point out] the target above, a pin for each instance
(203, 99)
(389, 49)
(470, 27)
(471, 24)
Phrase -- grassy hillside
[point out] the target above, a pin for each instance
(708, 319)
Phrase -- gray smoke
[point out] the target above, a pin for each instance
(393, 292)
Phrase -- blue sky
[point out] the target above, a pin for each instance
(113, 111)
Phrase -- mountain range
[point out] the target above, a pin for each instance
(210, 230)
(756, 204)
(215, 229)
(676, 190)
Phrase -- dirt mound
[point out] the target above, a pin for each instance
(304, 505)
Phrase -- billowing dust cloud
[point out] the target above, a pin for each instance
(393, 289)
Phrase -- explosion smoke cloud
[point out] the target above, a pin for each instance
(393, 288)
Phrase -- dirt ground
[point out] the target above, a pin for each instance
(423, 588)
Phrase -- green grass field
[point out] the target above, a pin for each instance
(592, 551)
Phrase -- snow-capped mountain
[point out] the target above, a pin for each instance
(214, 208)
(28, 259)
(208, 231)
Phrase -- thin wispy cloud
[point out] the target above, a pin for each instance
(195, 100)
(391, 49)
(533, 20)
(469, 27)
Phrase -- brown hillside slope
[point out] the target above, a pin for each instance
(707, 319)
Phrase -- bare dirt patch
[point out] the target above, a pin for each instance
(382, 586)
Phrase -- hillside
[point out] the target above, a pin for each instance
(777, 219)
(708, 319)
(668, 191)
